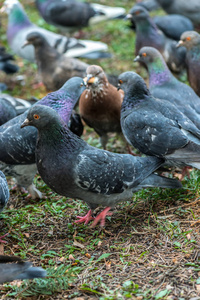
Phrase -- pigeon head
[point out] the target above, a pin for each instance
(147, 55)
(133, 84)
(41, 116)
(137, 13)
(34, 38)
(95, 76)
(189, 39)
(74, 86)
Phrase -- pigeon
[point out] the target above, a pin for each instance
(54, 68)
(5, 62)
(191, 41)
(190, 9)
(171, 25)
(19, 26)
(17, 147)
(148, 34)
(157, 127)
(12, 268)
(73, 168)
(100, 104)
(71, 15)
(164, 85)
(4, 196)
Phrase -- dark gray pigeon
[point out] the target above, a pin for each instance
(5, 62)
(72, 15)
(19, 26)
(4, 196)
(12, 268)
(164, 85)
(148, 34)
(54, 68)
(190, 9)
(7, 111)
(191, 41)
(17, 146)
(156, 127)
(72, 168)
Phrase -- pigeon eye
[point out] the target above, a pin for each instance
(188, 38)
(144, 54)
(137, 12)
(120, 81)
(36, 117)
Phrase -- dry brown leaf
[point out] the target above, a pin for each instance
(71, 257)
(77, 244)
(198, 287)
(26, 235)
(108, 265)
(99, 243)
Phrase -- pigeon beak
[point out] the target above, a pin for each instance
(26, 43)
(90, 79)
(137, 58)
(25, 123)
(128, 17)
(180, 43)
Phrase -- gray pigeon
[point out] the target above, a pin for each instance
(190, 9)
(156, 127)
(4, 196)
(164, 85)
(17, 147)
(19, 26)
(12, 268)
(191, 41)
(5, 62)
(72, 168)
(72, 15)
(54, 68)
(148, 34)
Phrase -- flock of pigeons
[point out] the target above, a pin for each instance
(163, 121)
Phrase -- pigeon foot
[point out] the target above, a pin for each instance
(102, 217)
(86, 219)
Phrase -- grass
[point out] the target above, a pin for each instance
(149, 248)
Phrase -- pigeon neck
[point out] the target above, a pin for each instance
(159, 72)
(134, 97)
(194, 52)
(145, 26)
(62, 102)
(17, 21)
(56, 134)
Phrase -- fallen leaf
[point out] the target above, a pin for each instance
(99, 244)
(2, 249)
(77, 244)
(71, 257)
(108, 265)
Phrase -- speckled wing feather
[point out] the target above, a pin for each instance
(106, 173)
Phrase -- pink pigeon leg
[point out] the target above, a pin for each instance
(2, 241)
(102, 217)
(86, 219)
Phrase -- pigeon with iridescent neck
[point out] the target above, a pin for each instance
(19, 26)
(73, 168)
(17, 146)
(164, 85)
(148, 34)
(191, 41)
